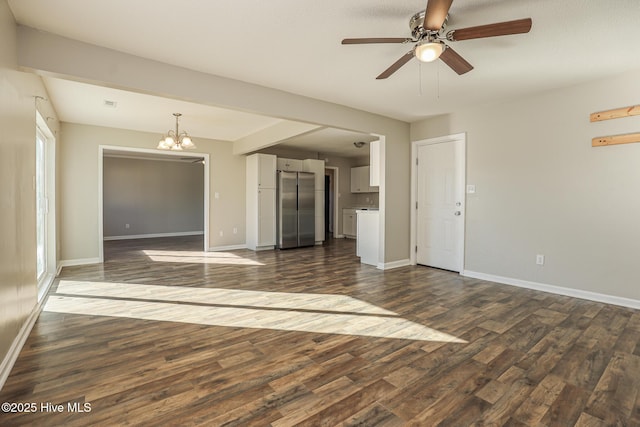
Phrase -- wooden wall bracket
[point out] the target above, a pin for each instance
(629, 138)
(615, 114)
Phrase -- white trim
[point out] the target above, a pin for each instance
(101, 155)
(336, 199)
(59, 270)
(79, 261)
(458, 137)
(227, 248)
(339, 236)
(394, 264)
(18, 342)
(51, 237)
(45, 285)
(154, 235)
(559, 290)
(382, 199)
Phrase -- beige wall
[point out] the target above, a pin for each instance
(85, 62)
(18, 288)
(542, 189)
(79, 186)
(152, 196)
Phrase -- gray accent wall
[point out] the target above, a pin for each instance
(152, 197)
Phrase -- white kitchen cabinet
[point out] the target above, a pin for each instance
(360, 180)
(290, 165)
(317, 168)
(349, 223)
(368, 223)
(261, 201)
(266, 217)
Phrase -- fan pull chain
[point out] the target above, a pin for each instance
(438, 81)
(420, 76)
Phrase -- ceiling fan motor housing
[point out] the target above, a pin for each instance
(416, 23)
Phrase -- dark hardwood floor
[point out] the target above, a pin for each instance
(164, 334)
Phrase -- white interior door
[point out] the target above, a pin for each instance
(440, 205)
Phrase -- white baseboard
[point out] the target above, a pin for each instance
(394, 264)
(570, 292)
(339, 236)
(226, 248)
(154, 235)
(59, 270)
(17, 344)
(79, 261)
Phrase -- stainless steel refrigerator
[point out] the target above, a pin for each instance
(296, 207)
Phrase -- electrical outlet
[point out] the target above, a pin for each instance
(126, 226)
(540, 259)
(235, 230)
(221, 233)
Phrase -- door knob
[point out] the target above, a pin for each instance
(457, 213)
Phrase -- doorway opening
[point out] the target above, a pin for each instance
(135, 198)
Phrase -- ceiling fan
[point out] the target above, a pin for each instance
(428, 34)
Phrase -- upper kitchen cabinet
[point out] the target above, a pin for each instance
(264, 167)
(290, 165)
(360, 180)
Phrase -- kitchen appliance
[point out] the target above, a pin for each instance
(296, 204)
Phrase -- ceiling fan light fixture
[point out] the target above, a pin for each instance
(429, 51)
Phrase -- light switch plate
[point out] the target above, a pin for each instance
(471, 189)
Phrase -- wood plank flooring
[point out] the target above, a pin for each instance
(164, 334)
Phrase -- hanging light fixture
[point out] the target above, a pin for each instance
(176, 140)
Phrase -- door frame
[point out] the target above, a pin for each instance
(458, 137)
(336, 211)
(133, 150)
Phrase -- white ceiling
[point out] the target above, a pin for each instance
(85, 103)
(294, 46)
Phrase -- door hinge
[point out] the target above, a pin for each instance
(416, 248)
(416, 161)
(416, 205)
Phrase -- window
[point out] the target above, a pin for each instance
(41, 205)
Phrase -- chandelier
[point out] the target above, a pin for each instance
(176, 140)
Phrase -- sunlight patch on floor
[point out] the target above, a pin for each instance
(239, 309)
(218, 296)
(198, 257)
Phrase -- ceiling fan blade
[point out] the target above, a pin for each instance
(376, 40)
(436, 13)
(396, 65)
(456, 62)
(519, 26)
